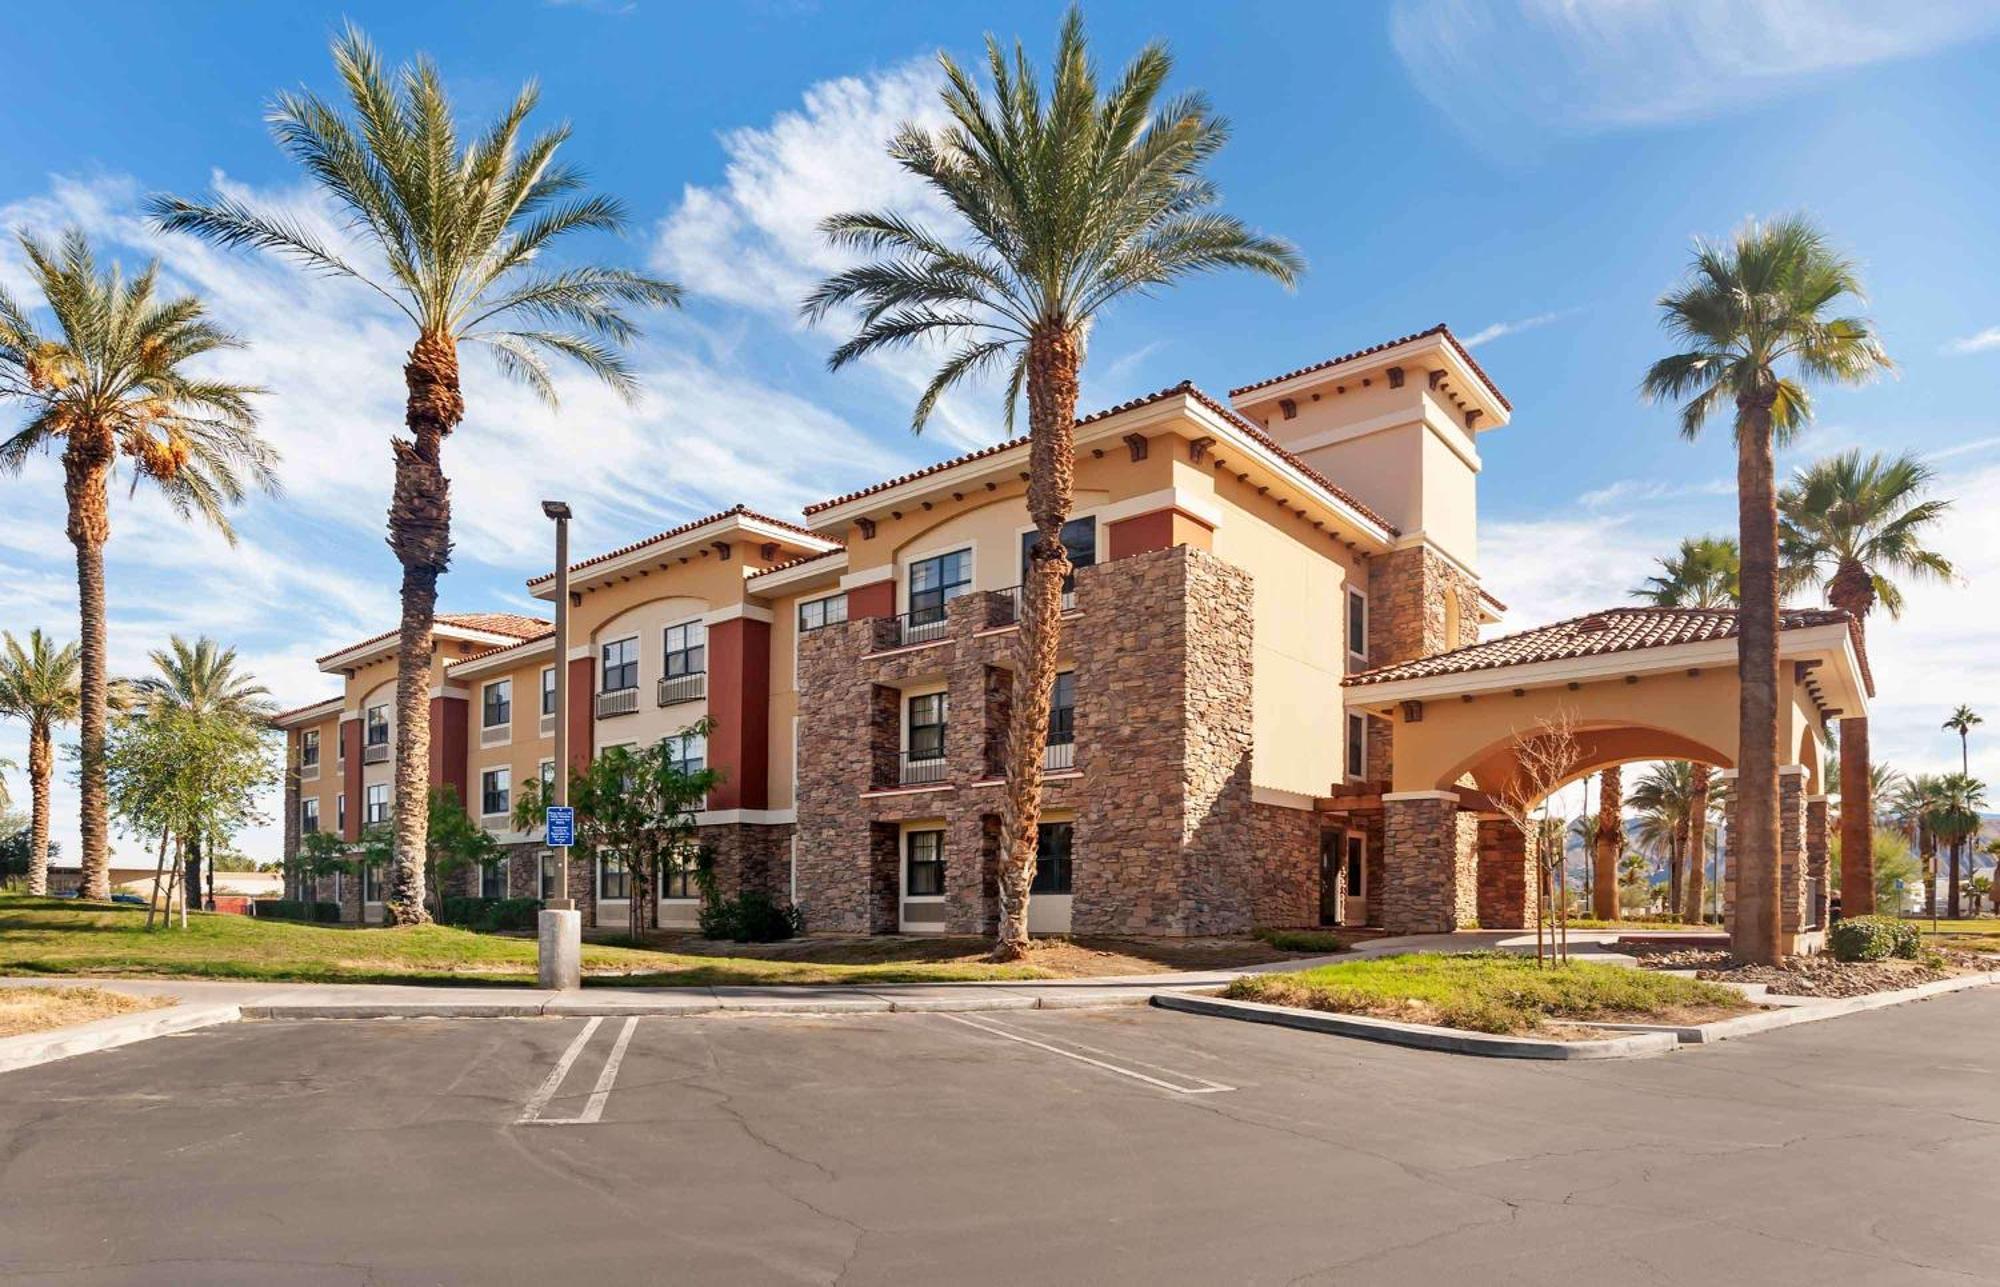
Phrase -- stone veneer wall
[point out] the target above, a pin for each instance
(1161, 793)
(1506, 877)
(1284, 853)
(1430, 873)
(1816, 859)
(1792, 857)
(1407, 592)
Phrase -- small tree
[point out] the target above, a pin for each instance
(1545, 757)
(639, 804)
(320, 853)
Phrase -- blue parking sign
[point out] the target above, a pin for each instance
(562, 825)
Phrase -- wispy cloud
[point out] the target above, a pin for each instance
(1487, 334)
(1512, 72)
(1628, 491)
(1980, 343)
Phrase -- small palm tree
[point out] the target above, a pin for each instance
(460, 227)
(1666, 800)
(1952, 814)
(39, 686)
(115, 379)
(1757, 321)
(1703, 573)
(1962, 722)
(1068, 202)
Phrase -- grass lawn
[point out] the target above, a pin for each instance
(66, 937)
(1492, 992)
(1640, 923)
(37, 1009)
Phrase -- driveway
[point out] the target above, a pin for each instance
(1116, 1146)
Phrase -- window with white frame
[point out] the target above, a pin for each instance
(340, 813)
(1357, 626)
(496, 704)
(493, 878)
(548, 690)
(548, 778)
(1054, 844)
(1062, 709)
(377, 805)
(686, 752)
(309, 814)
(677, 874)
(928, 712)
(936, 581)
(372, 882)
(613, 882)
(494, 792)
(817, 614)
(923, 867)
(309, 749)
(1357, 745)
(620, 665)
(377, 725)
(1079, 538)
(687, 649)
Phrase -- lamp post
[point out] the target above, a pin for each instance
(559, 929)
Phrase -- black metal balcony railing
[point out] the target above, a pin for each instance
(1017, 603)
(920, 769)
(1059, 755)
(619, 701)
(675, 689)
(923, 625)
(375, 753)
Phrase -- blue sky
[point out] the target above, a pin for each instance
(1530, 172)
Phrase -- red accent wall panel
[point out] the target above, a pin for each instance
(350, 781)
(582, 702)
(739, 701)
(451, 746)
(876, 599)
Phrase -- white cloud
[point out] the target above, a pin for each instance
(1510, 71)
(1980, 343)
(1486, 334)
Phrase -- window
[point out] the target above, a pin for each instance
(1052, 857)
(1062, 709)
(820, 613)
(1357, 625)
(548, 690)
(371, 883)
(687, 649)
(686, 752)
(548, 777)
(927, 719)
(677, 877)
(1357, 745)
(309, 814)
(548, 864)
(1079, 538)
(496, 704)
(621, 665)
(377, 810)
(925, 876)
(493, 878)
(340, 813)
(378, 726)
(494, 787)
(309, 749)
(935, 582)
(1357, 866)
(612, 881)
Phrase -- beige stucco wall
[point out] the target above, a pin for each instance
(326, 786)
(522, 754)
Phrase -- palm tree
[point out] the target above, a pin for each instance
(460, 229)
(7, 765)
(1954, 817)
(114, 380)
(1852, 523)
(1068, 202)
(1704, 573)
(1962, 722)
(1665, 798)
(201, 680)
(1909, 806)
(1747, 312)
(38, 685)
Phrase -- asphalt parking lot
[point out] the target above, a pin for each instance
(1105, 1147)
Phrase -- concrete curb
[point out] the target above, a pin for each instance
(32, 1048)
(586, 1005)
(1797, 1010)
(1421, 1036)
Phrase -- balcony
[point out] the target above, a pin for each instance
(1059, 757)
(1016, 603)
(619, 701)
(676, 689)
(926, 769)
(496, 734)
(375, 753)
(922, 625)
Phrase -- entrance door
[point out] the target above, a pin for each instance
(1332, 869)
(1356, 906)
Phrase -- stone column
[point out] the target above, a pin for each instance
(1430, 864)
(1816, 865)
(1791, 891)
(1506, 877)
(1725, 778)
(1857, 821)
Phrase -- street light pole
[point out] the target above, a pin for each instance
(560, 925)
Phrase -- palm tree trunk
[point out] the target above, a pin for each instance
(86, 475)
(41, 767)
(1610, 841)
(191, 868)
(1951, 900)
(1759, 924)
(1054, 358)
(1853, 592)
(420, 535)
(1697, 842)
(1927, 850)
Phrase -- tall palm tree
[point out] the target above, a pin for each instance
(1704, 573)
(459, 229)
(1962, 722)
(38, 685)
(1756, 317)
(1954, 819)
(1068, 201)
(1855, 525)
(201, 680)
(115, 379)
(1665, 797)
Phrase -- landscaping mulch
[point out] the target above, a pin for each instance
(1813, 976)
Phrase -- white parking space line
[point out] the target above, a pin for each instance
(593, 1108)
(1195, 1086)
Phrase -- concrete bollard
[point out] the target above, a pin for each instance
(560, 941)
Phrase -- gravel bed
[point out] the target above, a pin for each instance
(1811, 976)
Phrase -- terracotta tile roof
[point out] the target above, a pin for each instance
(492, 623)
(490, 652)
(803, 558)
(1439, 329)
(734, 510)
(1185, 388)
(1611, 631)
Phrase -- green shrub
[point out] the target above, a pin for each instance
(292, 909)
(750, 918)
(462, 909)
(510, 914)
(1321, 942)
(1873, 938)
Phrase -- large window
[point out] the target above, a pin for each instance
(378, 725)
(927, 722)
(548, 690)
(493, 878)
(372, 882)
(677, 875)
(496, 704)
(1062, 709)
(686, 752)
(1357, 745)
(377, 811)
(687, 649)
(613, 882)
(1053, 843)
(1357, 626)
(924, 877)
(935, 582)
(494, 792)
(621, 665)
(309, 814)
(309, 749)
(817, 614)
(1079, 538)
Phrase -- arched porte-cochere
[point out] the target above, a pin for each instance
(1632, 684)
